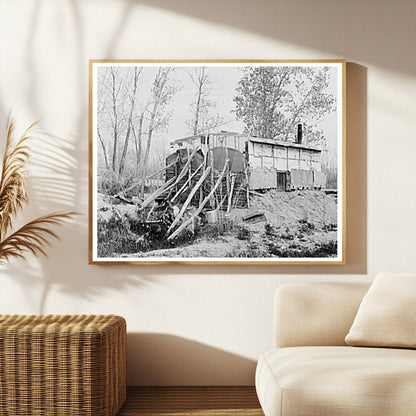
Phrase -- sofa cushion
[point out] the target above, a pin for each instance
(387, 314)
(315, 314)
(342, 381)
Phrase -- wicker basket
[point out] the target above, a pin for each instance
(72, 365)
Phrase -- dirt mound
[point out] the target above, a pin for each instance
(277, 224)
(286, 209)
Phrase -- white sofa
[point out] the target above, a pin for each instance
(311, 371)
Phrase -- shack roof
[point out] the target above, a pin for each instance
(252, 139)
(184, 139)
(283, 143)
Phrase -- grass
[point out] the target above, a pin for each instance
(252, 251)
(306, 227)
(223, 227)
(113, 238)
(139, 235)
(127, 236)
(328, 249)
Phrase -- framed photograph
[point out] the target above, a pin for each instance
(217, 162)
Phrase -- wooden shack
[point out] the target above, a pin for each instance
(266, 163)
(208, 173)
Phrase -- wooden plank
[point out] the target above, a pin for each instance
(188, 200)
(186, 184)
(230, 195)
(184, 170)
(247, 189)
(212, 175)
(147, 178)
(171, 183)
(221, 203)
(201, 207)
(166, 187)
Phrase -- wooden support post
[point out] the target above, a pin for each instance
(230, 195)
(221, 203)
(184, 171)
(212, 200)
(188, 181)
(189, 199)
(166, 187)
(247, 189)
(227, 177)
(189, 167)
(201, 207)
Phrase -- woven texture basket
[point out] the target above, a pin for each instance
(53, 365)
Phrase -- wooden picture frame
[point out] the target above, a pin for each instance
(217, 162)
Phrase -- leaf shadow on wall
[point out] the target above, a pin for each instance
(164, 359)
(59, 181)
(53, 187)
(370, 34)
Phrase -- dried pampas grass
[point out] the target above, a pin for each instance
(34, 236)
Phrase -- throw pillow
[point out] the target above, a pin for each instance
(387, 314)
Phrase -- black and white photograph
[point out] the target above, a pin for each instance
(217, 162)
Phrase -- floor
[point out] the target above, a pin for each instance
(187, 401)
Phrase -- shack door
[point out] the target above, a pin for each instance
(281, 181)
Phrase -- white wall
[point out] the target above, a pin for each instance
(200, 324)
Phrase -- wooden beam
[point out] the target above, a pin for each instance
(144, 180)
(247, 189)
(230, 195)
(184, 170)
(186, 183)
(188, 200)
(166, 187)
(201, 207)
(170, 184)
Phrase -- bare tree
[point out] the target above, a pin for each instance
(108, 113)
(138, 141)
(117, 107)
(100, 110)
(107, 164)
(129, 116)
(129, 122)
(115, 90)
(202, 108)
(162, 93)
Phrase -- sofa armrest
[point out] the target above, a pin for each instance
(309, 314)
